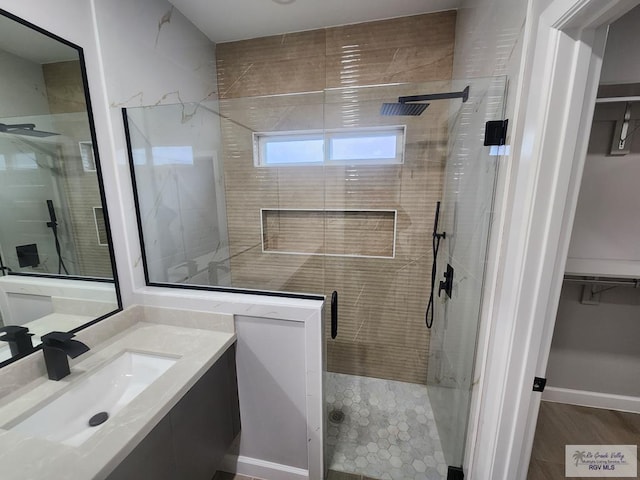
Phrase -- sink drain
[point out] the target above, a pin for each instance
(98, 419)
(336, 416)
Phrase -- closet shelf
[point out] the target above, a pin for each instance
(605, 281)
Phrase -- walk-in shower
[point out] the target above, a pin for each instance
(323, 192)
(51, 206)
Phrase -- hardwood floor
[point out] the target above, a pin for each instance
(231, 476)
(332, 476)
(560, 424)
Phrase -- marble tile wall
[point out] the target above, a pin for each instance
(382, 301)
(179, 188)
(151, 55)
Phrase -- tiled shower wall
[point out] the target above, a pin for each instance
(382, 300)
(65, 95)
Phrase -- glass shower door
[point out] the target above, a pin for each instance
(467, 201)
(383, 176)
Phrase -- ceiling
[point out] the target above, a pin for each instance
(229, 20)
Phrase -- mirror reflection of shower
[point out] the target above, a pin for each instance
(32, 174)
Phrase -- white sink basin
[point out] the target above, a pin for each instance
(109, 389)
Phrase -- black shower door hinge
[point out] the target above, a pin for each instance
(495, 132)
(455, 473)
(539, 384)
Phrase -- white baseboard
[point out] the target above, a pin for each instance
(583, 398)
(252, 467)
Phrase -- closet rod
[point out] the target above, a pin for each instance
(614, 282)
(617, 99)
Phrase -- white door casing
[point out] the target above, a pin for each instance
(563, 53)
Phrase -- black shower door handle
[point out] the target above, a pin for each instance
(334, 314)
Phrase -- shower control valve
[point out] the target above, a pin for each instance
(447, 283)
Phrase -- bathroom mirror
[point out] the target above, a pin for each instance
(57, 268)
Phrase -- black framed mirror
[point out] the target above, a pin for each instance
(57, 267)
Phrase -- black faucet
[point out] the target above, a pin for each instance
(56, 347)
(18, 338)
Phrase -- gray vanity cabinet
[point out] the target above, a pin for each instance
(189, 442)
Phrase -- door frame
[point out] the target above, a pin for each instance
(563, 46)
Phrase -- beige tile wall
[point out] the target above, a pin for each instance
(382, 301)
(367, 233)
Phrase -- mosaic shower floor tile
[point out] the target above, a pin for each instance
(382, 429)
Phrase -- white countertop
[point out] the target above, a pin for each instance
(197, 349)
(59, 287)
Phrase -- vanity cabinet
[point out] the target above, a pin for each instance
(190, 441)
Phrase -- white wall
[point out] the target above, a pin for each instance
(271, 378)
(595, 347)
(606, 228)
(23, 90)
(621, 62)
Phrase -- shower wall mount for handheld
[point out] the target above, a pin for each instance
(436, 237)
(408, 106)
(53, 225)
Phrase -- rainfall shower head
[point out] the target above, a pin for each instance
(405, 106)
(404, 109)
(27, 129)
